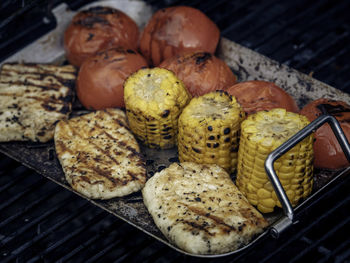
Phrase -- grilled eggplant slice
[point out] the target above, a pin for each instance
(33, 98)
(99, 155)
(199, 209)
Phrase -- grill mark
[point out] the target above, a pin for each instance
(103, 173)
(225, 227)
(46, 72)
(198, 226)
(133, 176)
(107, 153)
(119, 122)
(29, 85)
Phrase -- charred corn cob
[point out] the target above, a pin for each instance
(261, 133)
(154, 99)
(209, 129)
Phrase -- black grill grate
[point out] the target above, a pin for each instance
(40, 221)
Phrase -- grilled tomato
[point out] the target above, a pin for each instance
(258, 95)
(201, 72)
(173, 30)
(328, 152)
(101, 77)
(96, 29)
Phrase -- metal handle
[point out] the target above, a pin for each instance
(285, 147)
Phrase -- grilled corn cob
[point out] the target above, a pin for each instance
(154, 99)
(209, 130)
(261, 133)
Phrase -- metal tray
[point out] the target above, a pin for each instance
(247, 64)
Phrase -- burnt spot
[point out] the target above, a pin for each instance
(196, 150)
(202, 57)
(90, 37)
(165, 113)
(234, 149)
(130, 51)
(67, 98)
(211, 138)
(227, 139)
(48, 107)
(208, 145)
(41, 133)
(210, 128)
(227, 131)
(65, 109)
(216, 145)
(197, 199)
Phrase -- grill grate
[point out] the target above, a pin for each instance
(40, 221)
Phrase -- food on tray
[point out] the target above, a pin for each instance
(201, 72)
(101, 77)
(261, 133)
(98, 28)
(328, 152)
(33, 98)
(199, 209)
(99, 155)
(173, 30)
(209, 128)
(257, 95)
(154, 99)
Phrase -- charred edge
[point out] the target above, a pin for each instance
(90, 21)
(335, 110)
(100, 10)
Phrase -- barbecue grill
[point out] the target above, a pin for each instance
(41, 221)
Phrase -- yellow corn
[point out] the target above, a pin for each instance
(209, 129)
(154, 99)
(261, 133)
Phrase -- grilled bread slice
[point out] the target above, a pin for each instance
(33, 97)
(99, 156)
(199, 209)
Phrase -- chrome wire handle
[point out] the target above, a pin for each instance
(285, 147)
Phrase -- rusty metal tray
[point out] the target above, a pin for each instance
(247, 64)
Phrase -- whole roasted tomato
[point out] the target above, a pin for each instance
(101, 77)
(201, 72)
(258, 95)
(173, 30)
(98, 28)
(327, 150)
